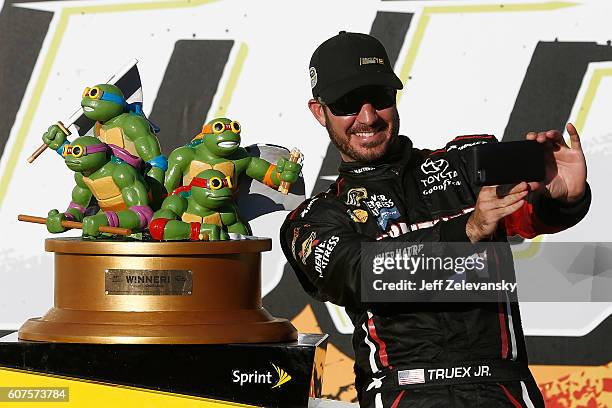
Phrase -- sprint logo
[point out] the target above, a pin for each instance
(268, 377)
(283, 377)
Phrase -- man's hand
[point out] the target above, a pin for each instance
(566, 170)
(493, 204)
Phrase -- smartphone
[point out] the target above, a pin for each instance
(508, 162)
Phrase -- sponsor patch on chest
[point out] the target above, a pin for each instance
(355, 195)
(437, 176)
(376, 202)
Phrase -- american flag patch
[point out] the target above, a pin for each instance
(416, 376)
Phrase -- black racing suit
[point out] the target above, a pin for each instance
(427, 196)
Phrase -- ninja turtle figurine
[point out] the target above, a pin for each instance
(218, 147)
(116, 185)
(117, 123)
(205, 206)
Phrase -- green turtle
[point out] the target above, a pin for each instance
(205, 206)
(218, 147)
(117, 123)
(114, 185)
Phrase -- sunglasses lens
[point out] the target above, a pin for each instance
(383, 99)
(215, 183)
(218, 127)
(77, 151)
(235, 127)
(345, 107)
(350, 104)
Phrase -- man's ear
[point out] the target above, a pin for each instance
(317, 110)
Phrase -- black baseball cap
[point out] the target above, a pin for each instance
(349, 61)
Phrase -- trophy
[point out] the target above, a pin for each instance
(166, 256)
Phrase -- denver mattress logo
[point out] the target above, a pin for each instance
(275, 380)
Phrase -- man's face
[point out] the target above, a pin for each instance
(366, 135)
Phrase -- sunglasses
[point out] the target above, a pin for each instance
(97, 93)
(213, 183)
(79, 151)
(220, 127)
(350, 104)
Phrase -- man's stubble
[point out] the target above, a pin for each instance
(375, 149)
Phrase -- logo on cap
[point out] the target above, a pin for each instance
(313, 77)
(371, 60)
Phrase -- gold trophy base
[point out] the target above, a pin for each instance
(210, 293)
(67, 326)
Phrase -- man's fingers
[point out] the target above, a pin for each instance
(495, 202)
(574, 137)
(534, 185)
(541, 138)
(510, 209)
(510, 199)
(506, 189)
(488, 192)
(551, 136)
(556, 137)
(520, 187)
(494, 193)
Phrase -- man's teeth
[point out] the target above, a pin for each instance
(364, 134)
(87, 109)
(227, 144)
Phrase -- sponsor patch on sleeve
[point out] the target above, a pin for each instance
(467, 141)
(307, 246)
(322, 253)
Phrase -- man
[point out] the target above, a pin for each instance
(384, 193)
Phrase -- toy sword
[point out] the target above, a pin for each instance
(74, 224)
(127, 79)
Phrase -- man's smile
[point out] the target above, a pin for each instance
(364, 135)
(369, 136)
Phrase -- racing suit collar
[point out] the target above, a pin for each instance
(400, 151)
